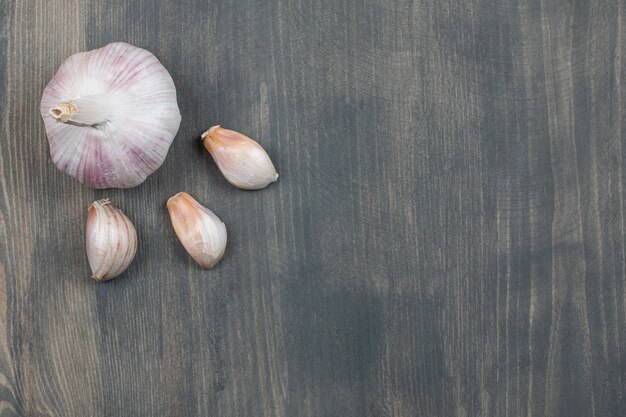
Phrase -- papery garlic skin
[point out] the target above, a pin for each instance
(243, 162)
(111, 115)
(111, 240)
(200, 231)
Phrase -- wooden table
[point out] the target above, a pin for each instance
(447, 237)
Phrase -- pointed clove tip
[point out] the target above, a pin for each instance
(208, 132)
(99, 203)
(174, 197)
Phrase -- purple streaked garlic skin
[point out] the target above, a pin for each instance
(111, 115)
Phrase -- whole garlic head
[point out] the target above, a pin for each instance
(110, 115)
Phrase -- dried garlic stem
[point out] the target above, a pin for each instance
(85, 111)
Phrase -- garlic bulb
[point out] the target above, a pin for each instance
(111, 240)
(243, 162)
(110, 115)
(200, 231)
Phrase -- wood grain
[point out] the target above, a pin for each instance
(447, 236)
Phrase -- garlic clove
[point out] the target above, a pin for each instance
(243, 162)
(110, 115)
(200, 231)
(111, 240)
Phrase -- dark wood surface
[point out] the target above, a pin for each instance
(447, 236)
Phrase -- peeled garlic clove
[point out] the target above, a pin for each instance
(111, 240)
(110, 115)
(200, 231)
(243, 162)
